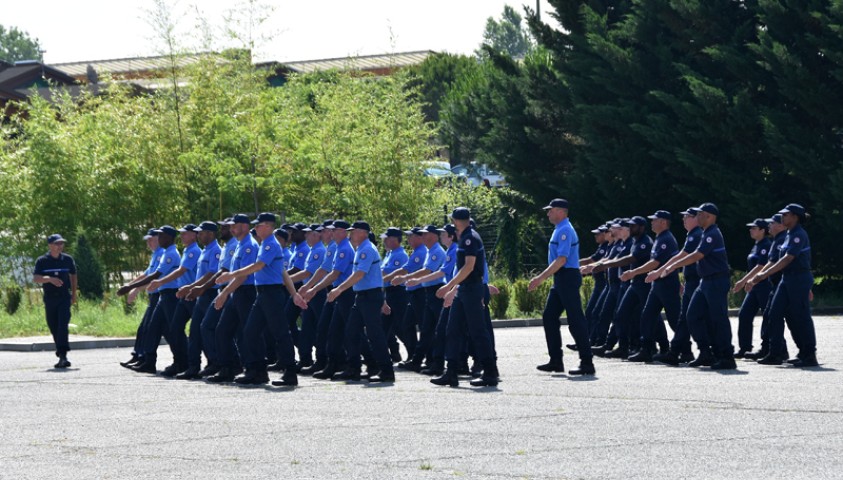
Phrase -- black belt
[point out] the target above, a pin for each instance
(367, 292)
(394, 288)
(168, 290)
(243, 287)
(433, 288)
(715, 275)
(269, 288)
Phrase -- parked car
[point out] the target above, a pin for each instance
(480, 174)
(441, 172)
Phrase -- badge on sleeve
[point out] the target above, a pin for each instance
(796, 240)
(468, 242)
(248, 250)
(169, 260)
(708, 239)
(397, 263)
(265, 248)
(417, 259)
(564, 237)
(433, 257)
(690, 239)
(342, 254)
(190, 255)
(664, 245)
(301, 254)
(763, 252)
(362, 256)
(218, 256)
(316, 256)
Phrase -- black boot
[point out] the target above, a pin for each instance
(384, 376)
(327, 372)
(191, 373)
(489, 377)
(586, 368)
(135, 359)
(643, 355)
(208, 371)
(148, 366)
(289, 379)
(253, 377)
(434, 368)
(668, 358)
(806, 360)
(349, 374)
(448, 378)
(62, 363)
(173, 370)
(316, 367)
(552, 366)
(224, 375)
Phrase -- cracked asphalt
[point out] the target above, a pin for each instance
(98, 420)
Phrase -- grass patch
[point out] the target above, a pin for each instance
(426, 466)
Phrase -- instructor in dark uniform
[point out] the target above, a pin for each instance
(56, 272)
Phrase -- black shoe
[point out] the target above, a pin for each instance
(485, 382)
(326, 373)
(224, 375)
(410, 365)
(771, 359)
(724, 364)
(586, 368)
(703, 361)
(383, 377)
(476, 369)
(173, 370)
(145, 367)
(686, 357)
(552, 366)
(300, 365)
(448, 378)
(62, 363)
(643, 355)
(463, 369)
(209, 371)
(252, 378)
(806, 361)
(131, 362)
(742, 353)
(289, 379)
(395, 356)
(434, 369)
(756, 355)
(599, 350)
(618, 353)
(349, 375)
(189, 374)
(316, 367)
(275, 367)
(668, 358)
(571, 346)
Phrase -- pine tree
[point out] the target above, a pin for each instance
(88, 270)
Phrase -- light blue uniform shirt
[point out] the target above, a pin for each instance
(209, 259)
(367, 259)
(300, 253)
(228, 253)
(245, 255)
(168, 264)
(315, 257)
(189, 261)
(415, 263)
(564, 243)
(394, 260)
(434, 261)
(449, 267)
(287, 254)
(273, 255)
(343, 261)
(328, 262)
(154, 260)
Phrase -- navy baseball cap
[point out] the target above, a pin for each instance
(461, 213)
(621, 222)
(299, 226)
(777, 218)
(169, 230)
(660, 214)
(265, 217)
(759, 222)
(189, 227)
(328, 223)
(393, 232)
(429, 229)
(280, 232)
(339, 224)
(793, 208)
(360, 225)
(240, 218)
(638, 220)
(207, 226)
(373, 238)
(286, 226)
(414, 231)
(692, 212)
(556, 203)
(55, 238)
(600, 229)
(227, 221)
(711, 208)
(449, 228)
(150, 233)
(314, 227)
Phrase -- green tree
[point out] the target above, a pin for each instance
(507, 35)
(88, 270)
(18, 45)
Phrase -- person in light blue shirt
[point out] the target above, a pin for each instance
(414, 313)
(563, 265)
(310, 315)
(151, 239)
(432, 304)
(395, 296)
(320, 338)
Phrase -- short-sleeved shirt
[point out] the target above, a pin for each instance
(272, 255)
(433, 262)
(564, 242)
(600, 253)
(190, 262)
(393, 261)
(169, 263)
(415, 263)
(796, 243)
(616, 250)
(328, 261)
(760, 253)
(471, 245)
(664, 248)
(692, 241)
(154, 260)
(641, 248)
(228, 253)
(449, 267)
(61, 267)
(245, 255)
(713, 248)
(776, 254)
(343, 261)
(209, 259)
(300, 253)
(315, 257)
(368, 260)
(287, 254)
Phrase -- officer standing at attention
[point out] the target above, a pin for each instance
(467, 308)
(395, 296)
(309, 316)
(710, 300)
(167, 301)
(55, 271)
(563, 258)
(207, 267)
(151, 239)
(184, 275)
(366, 281)
(271, 280)
(756, 298)
(664, 292)
(792, 297)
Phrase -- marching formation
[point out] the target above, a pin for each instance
(321, 300)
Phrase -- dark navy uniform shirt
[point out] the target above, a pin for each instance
(62, 268)
(599, 254)
(471, 245)
(760, 253)
(617, 250)
(641, 248)
(692, 241)
(713, 248)
(664, 248)
(796, 243)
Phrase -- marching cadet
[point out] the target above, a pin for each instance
(310, 315)
(592, 309)
(413, 314)
(318, 298)
(151, 239)
(395, 296)
(756, 298)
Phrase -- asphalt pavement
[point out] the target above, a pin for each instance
(97, 420)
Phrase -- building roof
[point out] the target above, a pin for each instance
(387, 61)
(128, 66)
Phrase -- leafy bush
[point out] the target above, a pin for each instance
(12, 296)
(88, 270)
(529, 302)
(500, 302)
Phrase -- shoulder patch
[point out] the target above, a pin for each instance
(433, 257)
(362, 256)
(218, 256)
(316, 256)
(468, 242)
(265, 248)
(397, 263)
(447, 258)
(564, 237)
(796, 240)
(342, 254)
(763, 252)
(708, 239)
(231, 253)
(643, 246)
(417, 259)
(690, 239)
(190, 255)
(301, 254)
(169, 260)
(664, 245)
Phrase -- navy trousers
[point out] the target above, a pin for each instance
(209, 331)
(592, 308)
(466, 318)
(708, 313)
(413, 317)
(396, 298)
(57, 309)
(664, 295)
(177, 338)
(231, 324)
(267, 313)
(364, 324)
(681, 342)
(564, 296)
(159, 323)
(427, 330)
(754, 302)
(309, 324)
(194, 340)
(790, 302)
(628, 315)
(147, 316)
(336, 329)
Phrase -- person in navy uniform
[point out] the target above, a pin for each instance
(167, 301)
(273, 286)
(592, 308)
(310, 315)
(756, 298)
(467, 308)
(395, 296)
(709, 303)
(680, 344)
(792, 297)
(563, 258)
(664, 292)
(184, 275)
(364, 321)
(55, 271)
(299, 249)
(151, 239)
(207, 266)
(414, 312)
(619, 235)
